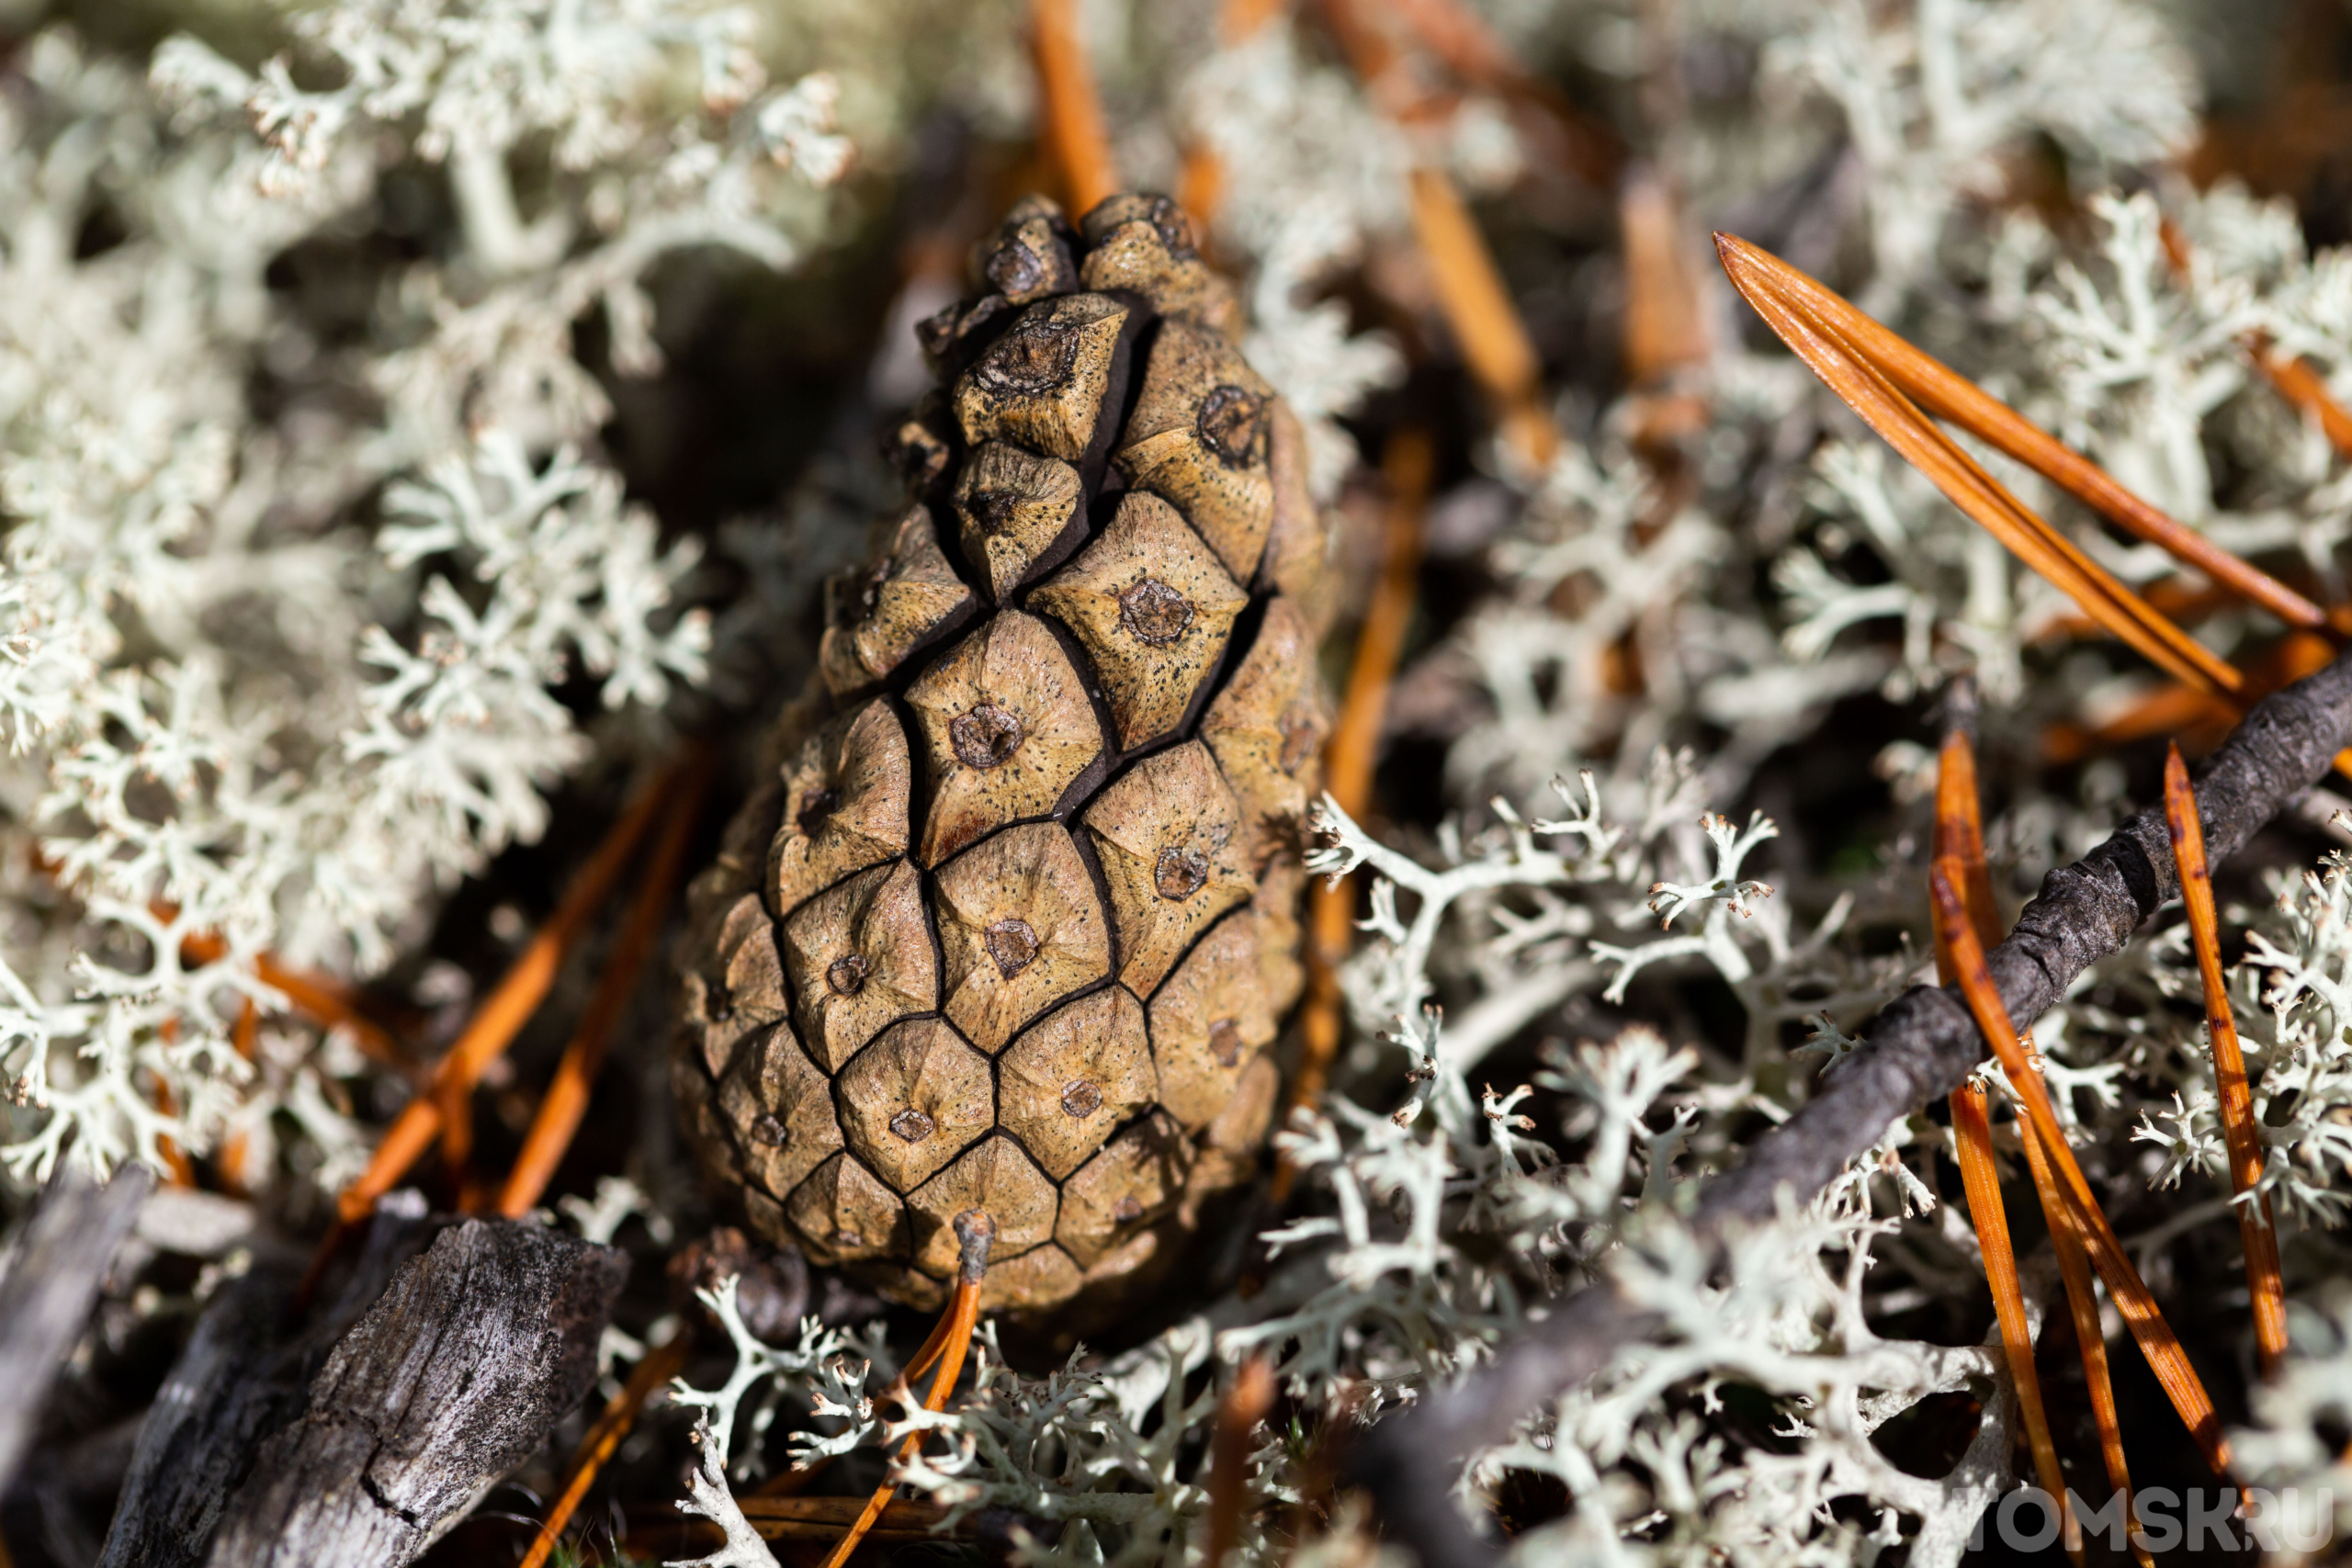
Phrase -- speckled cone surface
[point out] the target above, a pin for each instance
(1012, 916)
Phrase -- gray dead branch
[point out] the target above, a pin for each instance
(361, 1439)
(54, 1274)
(1921, 1047)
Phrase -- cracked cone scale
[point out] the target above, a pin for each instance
(1008, 919)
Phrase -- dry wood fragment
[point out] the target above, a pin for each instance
(451, 1380)
(241, 1378)
(1922, 1045)
(54, 1270)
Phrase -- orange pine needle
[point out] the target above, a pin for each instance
(566, 1101)
(1070, 124)
(1972, 1137)
(1817, 325)
(2156, 1340)
(324, 999)
(2255, 1227)
(1960, 842)
(2306, 392)
(1461, 40)
(1471, 295)
(1348, 760)
(1200, 179)
(1486, 323)
(2293, 379)
(948, 1343)
(1839, 335)
(2082, 1304)
(656, 1367)
(508, 1006)
(1237, 1414)
(901, 1521)
(246, 1037)
(1960, 838)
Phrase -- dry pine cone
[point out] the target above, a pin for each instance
(1012, 916)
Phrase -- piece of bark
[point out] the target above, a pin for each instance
(241, 1378)
(54, 1271)
(449, 1382)
(1920, 1047)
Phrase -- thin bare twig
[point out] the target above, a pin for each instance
(1923, 1044)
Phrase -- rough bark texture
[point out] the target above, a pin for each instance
(54, 1272)
(1922, 1047)
(241, 1378)
(448, 1381)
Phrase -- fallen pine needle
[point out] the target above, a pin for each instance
(2256, 1226)
(2132, 1299)
(1960, 842)
(1348, 757)
(1076, 141)
(1816, 324)
(1237, 1414)
(1919, 378)
(509, 1006)
(656, 1367)
(948, 1342)
(566, 1101)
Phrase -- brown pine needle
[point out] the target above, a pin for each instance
(1069, 115)
(2157, 1342)
(1920, 377)
(1237, 1414)
(1960, 838)
(1471, 295)
(2293, 379)
(948, 1342)
(1857, 374)
(1960, 842)
(1461, 39)
(1486, 323)
(654, 1369)
(566, 1101)
(1972, 1137)
(902, 1520)
(322, 997)
(2082, 1304)
(1200, 179)
(508, 1006)
(2255, 1228)
(1348, 760)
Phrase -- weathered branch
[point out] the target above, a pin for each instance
(449, 1382)
(54, 1275)
(1922, 1047)
(241, 1379)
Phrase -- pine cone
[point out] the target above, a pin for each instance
(1011, 916)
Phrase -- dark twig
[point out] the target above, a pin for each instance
(1923, 1045)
